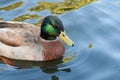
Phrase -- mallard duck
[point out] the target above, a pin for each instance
(24, 41)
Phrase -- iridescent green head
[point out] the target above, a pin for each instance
(51, 28)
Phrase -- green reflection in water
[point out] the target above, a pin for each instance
(69, 57)
(25, 16)
(54, 7)
(40, 21)
(60, 7)
(12, 6)
(28, 16)
(90, 45)
(1, 18)
(1, 69)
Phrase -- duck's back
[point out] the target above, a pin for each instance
(19, 40)
(18, 33)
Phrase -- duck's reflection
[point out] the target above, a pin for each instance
(54, 77)
(45, 66)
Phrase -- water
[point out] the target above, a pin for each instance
(96, 24)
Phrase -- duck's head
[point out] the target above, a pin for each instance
(52, 27)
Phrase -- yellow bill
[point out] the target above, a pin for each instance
(66, 39)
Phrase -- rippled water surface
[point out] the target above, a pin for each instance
(94, 28)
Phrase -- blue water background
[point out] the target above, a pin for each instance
(97, 23)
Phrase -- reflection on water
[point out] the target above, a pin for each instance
(20, 14)
(69, 57)
(1, 18)
(60, 7)
(25, 16)
(48, 67)
(94, 29)
(90, 45)
(55, 7)
(12, 6)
